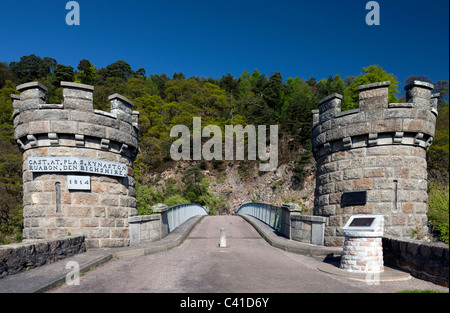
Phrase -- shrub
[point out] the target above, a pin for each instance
(438, 208)
(175, 199)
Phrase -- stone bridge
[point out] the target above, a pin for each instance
(286, 221)
(78, 177)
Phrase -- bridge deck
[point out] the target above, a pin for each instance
(249, 264)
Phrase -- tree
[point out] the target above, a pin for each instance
(63, 73)
(349, 80)
(119, 69)
(86, 72)
(273, 92)
(140, 72)
(159, 81)
(255, 77)
(5, 74)
(292, 87)
(258, 82)
(48, 66)
(438, 167)
(31, 68)
(438, 153)
(137, 87)
(371, 74)
(259, 113)
(297, 118)
(442, 87)
(417, 77)
(229, 84)
(179, 75)
(245, 85)
(10, 172)
(195, 188)
(438, 210)
(312, 81)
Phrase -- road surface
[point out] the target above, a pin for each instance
(248, 265)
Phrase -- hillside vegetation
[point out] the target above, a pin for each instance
(163, 102)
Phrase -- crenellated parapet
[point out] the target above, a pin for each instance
(74, 123)
(375, 121)
(372, 159)
(78, 175)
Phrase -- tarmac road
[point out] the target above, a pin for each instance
(248, 265)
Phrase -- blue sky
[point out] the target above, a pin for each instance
(215, 37)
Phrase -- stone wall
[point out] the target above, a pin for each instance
(362, 255)
(15, 258)
(424, 260)
(145, 228)
(308, 229)
(288, 221)
(379, 148)
(74, 129)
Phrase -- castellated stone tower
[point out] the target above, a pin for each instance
(77, 164)
(372, 160)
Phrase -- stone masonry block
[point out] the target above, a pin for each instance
(358, 129)
(39, 127)
(373, 96)
(335, 134)
(347, 142)
(383, 126)
(64, 127)
(75, 129)
(363, 184)
(78, 96)
(374, 172)
(330, 103)
(399, 113)
(412, 125)
(33, 90)
(44, 115)
(345, 119)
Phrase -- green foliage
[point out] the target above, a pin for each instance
(370, 74)
(31, 68)
(217, 205)
(5, 74)
(304, 160)
(438, 167)
(438, 209)
(438, 153)
(164, 102)
(175, 199)
(10, 172)
(11, 231)
(196, 187)
(273, 92)
(146, 197)
(299, 101)
(86, 72)
(119, 69)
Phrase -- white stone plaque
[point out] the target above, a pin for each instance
(76, 165)
(78, 182)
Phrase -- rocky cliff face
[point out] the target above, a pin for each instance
(242, 182)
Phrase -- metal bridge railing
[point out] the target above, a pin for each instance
(178, 214)
(267, 213)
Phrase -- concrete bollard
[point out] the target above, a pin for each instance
(223, 238)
